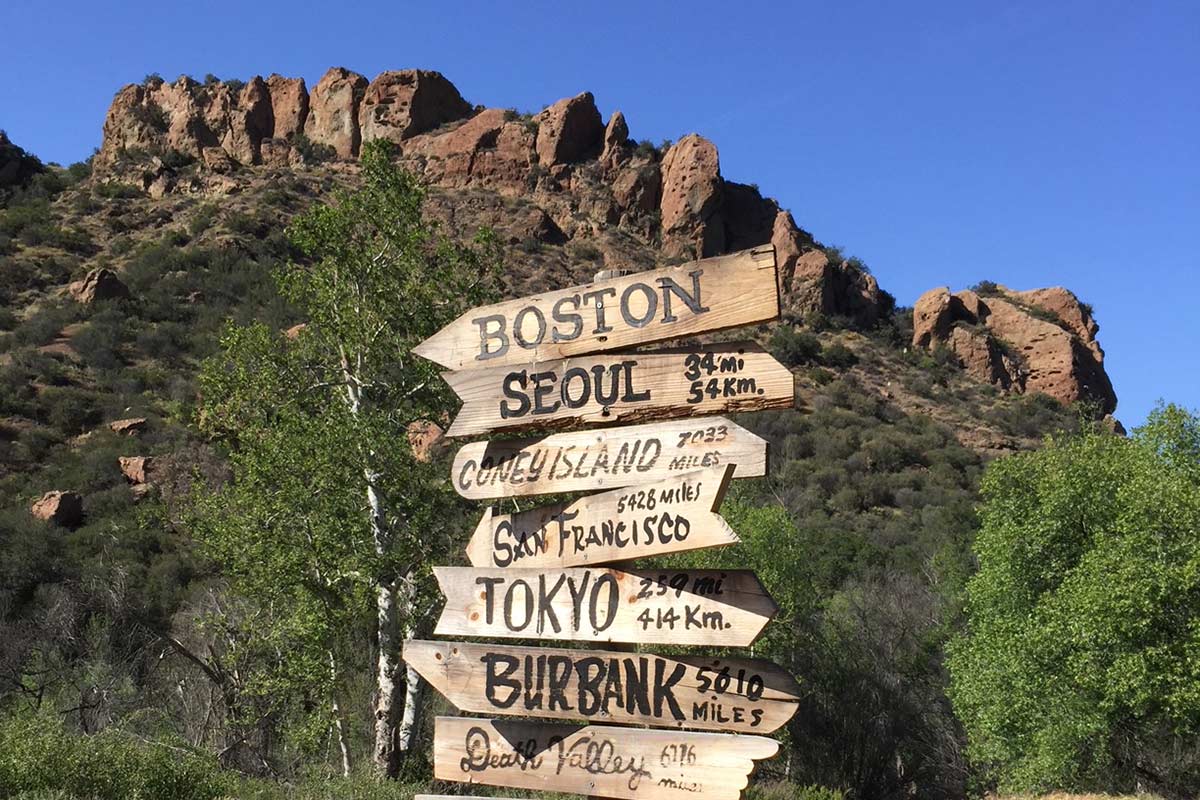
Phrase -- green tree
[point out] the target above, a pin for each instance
(1080, 667)
(329, 517)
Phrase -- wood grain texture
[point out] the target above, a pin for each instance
(596, 760)
(615, 388)
(719, 608)
(606, 459)
(655, 519)
(640, 308)
(721, 694)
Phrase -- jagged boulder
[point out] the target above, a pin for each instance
(691, 199)
(569, 131)
(333, 111)
(1038, 341)
(136, 469)
(60, 508)
(400, 104)
(289, 106)
(100, 283)
(129, 426)
(427, 440)
(491, 148)
(616, 141)
(250, 121)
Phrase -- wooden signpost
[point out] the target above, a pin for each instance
(606, 459)
(594, 604)
(623, 387)
(596, 759)
(671, 303)
(564, 359)
(668, 516)
(744, 695)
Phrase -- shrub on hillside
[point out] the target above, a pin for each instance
(794, 347)
(38, 755)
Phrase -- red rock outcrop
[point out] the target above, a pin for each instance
(569, 131)
(333, 111)
(289, 106)
(128, 427)
(400, 104)
(427, 440)
(616, 141)
(1038, 341)
(60, 508)
(691, 198)
(582, 175)
(492, 148)
(136, 469)
(100, 283)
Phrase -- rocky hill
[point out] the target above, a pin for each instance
(566, 180)
(117, 278)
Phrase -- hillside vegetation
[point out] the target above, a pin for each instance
(120, 626)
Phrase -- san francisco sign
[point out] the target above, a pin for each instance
(727, 608)
(645, 307)
(668, 516)
(596, 760)
(628, 387)
(604, 459)
(744, 695)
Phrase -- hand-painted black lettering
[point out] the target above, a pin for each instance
(575, 319)
(496, 333)
(651, 305)
(517, 379)
(692, 301)
(499, 667)
(519, 327)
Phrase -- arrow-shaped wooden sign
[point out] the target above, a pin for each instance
(744, 695)
(605, 459)
(624, 387)
(596, 760)
(647, 520)
(670, 303)
(592, 604)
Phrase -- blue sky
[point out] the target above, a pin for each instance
(1033, 144)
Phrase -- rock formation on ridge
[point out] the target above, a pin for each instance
(585, 176)
(1042, 340)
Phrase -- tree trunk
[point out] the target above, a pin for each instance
(388, 698)
(338, 726)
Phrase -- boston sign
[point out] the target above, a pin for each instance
(645, 307)
(744, 695)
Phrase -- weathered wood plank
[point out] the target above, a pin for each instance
(668, 516)
(595, 759)
(606, 459)
(616, 388)
(593, 604)
(722, 694)
(641, 308)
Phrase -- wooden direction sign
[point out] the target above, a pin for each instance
(670, 303)
(733, 694)
(669, 516)
(594, 604)
(605, 459)
(597, 760)
(621, 387)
